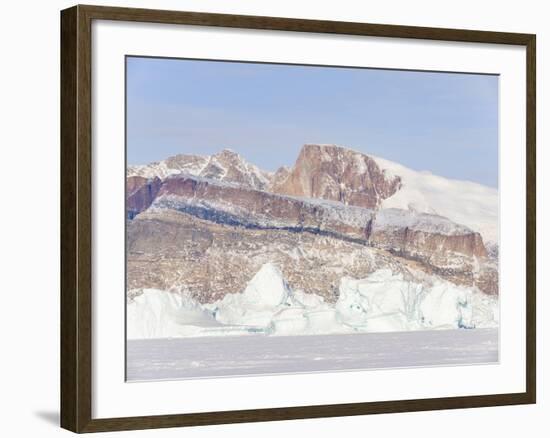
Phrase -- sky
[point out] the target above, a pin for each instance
(445, 123)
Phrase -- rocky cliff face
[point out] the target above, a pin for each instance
(460, 259)
(235, 205)
(140, 194)
(337, 174)
(429, 238)
(212, 222)
(403, 231)
(168, 250)
(433, 241)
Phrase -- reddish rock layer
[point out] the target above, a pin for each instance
(337, 174)
(238, 205)
(140, 194)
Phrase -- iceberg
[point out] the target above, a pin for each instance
(382, 302)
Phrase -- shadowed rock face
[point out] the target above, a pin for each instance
(140, 194)
(337, 174)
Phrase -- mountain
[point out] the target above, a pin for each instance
(427, 238)
(227, 166)
(353, 178)
(205, 226)
(337, 174)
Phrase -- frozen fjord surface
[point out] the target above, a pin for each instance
(182, 358)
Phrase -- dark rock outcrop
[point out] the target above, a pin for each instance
(140, 194)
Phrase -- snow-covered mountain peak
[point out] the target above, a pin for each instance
(181, 163)
(226, 165)
(229, 166)
(464, 202)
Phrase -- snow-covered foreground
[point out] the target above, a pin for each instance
(382, 302)
(165, 359)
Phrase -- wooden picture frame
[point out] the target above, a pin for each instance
(76, 218)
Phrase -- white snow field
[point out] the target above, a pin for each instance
(463, 202)
(185, 358)
(382, 302)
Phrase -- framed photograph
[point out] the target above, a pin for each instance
(271, 218)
